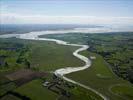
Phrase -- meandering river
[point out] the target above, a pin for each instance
(66, 70)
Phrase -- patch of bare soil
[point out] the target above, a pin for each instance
(24, 75)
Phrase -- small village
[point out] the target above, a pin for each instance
(59, 86)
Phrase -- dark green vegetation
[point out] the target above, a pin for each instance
(115, 48)
(100, 77)
(48, 56)
(41, 92)
(123, 90)
(113, 52)
(36, 91)
(78, 38)
(10, 97)
(13, 55)
(5, 85)
(37, 56)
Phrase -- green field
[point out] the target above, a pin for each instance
(36, 91)
(49, 56)
(115, 48)
(44, 56)
(123, 90)
(13, 55)
(100, 75)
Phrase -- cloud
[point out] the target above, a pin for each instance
(13, 18)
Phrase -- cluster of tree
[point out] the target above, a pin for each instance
(22, 59)
(117, 52)
(13, 54)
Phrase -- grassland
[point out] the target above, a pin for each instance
(78, 38)
(36, 91)
(48, 56)
(13, 55)
(100, 75)
(43, 56)
(125, 91)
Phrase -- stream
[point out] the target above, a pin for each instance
(66, 70)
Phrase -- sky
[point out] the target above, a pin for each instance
(66, 12)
